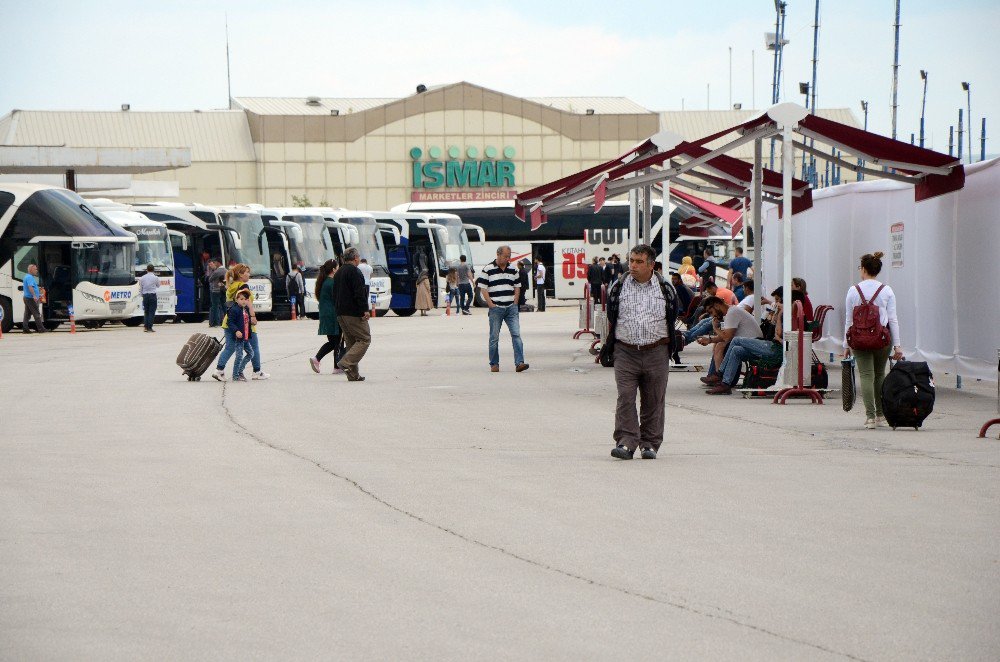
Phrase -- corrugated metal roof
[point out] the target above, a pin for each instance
(211, 135)
(694, 124)
(600, 105)
(298, 105)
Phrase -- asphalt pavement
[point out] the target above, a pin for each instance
(439, 511)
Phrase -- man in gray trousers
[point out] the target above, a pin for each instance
(642, 310)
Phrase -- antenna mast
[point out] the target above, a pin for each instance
(229, 83)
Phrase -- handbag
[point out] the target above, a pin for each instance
(848, 388)
(607, 355)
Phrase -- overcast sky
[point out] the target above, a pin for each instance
(171, 55)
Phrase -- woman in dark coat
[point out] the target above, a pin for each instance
(327, 317)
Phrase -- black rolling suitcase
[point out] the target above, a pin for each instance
(908, 394)
(198, 355)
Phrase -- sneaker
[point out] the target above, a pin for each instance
(240, 378)
(648, 454)
(622, 452)
(870, 423)
(880, 421)
(261, 375)
(314, 364)
(521, 367)
(219, 375)
(337, 371)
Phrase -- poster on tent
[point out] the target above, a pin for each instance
(896, 244)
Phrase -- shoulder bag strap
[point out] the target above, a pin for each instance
(864, 301)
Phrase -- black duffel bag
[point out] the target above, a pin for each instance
(908, 394)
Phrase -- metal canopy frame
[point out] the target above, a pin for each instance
(930, 172)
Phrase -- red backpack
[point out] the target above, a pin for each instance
(867, 332)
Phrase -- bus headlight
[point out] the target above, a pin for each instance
(91, 297)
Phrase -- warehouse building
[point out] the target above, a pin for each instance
(458, 142)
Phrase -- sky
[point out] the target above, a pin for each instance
(664, 55)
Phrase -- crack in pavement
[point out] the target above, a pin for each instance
(721, 616)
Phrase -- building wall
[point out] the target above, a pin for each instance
(210, 182)
(375, 170)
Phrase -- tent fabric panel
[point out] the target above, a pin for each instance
(932, 186)
(875, 145)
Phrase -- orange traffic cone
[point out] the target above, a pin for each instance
(294, 316)
(72, 320)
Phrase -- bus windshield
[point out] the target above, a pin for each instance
(252, 250)
(104, 263)
(315, 247)
(153, 248)
(370, 245)
(458, 241)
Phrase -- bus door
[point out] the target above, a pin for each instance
(397, 257)
(184, 281)
(24, 256)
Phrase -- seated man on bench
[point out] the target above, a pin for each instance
(736, 322)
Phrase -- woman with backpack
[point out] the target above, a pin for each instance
(870, 331)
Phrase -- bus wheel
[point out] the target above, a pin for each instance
(132, 321)
(51, 326)
(404, 312)
(8, 315)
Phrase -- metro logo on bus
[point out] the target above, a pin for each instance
(470, 173)
(117, 295)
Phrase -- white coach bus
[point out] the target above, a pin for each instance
(85, 263)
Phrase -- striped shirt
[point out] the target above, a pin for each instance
(642, 316)
(500, 283)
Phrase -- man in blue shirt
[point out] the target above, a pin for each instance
(739, 265)
(32, 297)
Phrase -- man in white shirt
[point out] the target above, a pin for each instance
(642, 309)
(148, 285)
(366, 271)
(736, 323)
(540, 283)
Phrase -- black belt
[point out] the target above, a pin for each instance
(642, 348)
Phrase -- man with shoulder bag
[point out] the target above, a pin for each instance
(642, 311)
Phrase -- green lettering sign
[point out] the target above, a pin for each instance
(470, 173)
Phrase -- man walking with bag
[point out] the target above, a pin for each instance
(642, 309)
(351, 296)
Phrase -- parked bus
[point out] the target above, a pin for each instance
(153, 248)
(416, 242)
(357, 229)
(85, 262)
(206, 234)
(264, 240)
(309, 246)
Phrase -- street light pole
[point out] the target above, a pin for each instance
(968, 105)
(864, 109)
(804, 91)
(895, 72)
(923, 106)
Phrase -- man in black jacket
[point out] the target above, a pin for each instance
(351, 296)
(595, 276)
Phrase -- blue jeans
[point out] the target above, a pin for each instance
(465, 297)
(230, 349)
(244, 353)
(500, 315)
(746, 349)
(148, 309)
(702, 328)
(215, 311)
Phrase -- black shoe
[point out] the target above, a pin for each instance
(648, 454)
(622, 452)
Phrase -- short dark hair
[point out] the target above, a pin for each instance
(150, 267)
(708, 302)
(644, 249)
(710, 284)
(738, 277)
(657, 266)
(748, 285)
(461, 258)
(739, 251)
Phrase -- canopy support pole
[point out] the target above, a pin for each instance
(665, 224)
(647, 212)
(756, 193)
(633, 218)
(787, 165)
